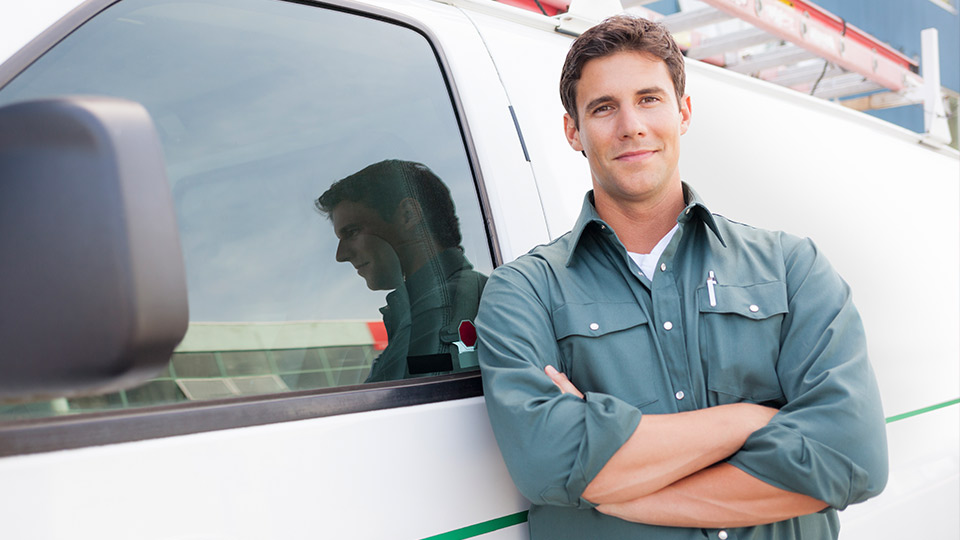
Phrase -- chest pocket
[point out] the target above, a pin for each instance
(607, 347)
(740, 341)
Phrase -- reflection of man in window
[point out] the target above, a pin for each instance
(398, 227)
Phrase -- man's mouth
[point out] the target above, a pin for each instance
(635, 155)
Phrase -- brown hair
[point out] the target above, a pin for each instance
(383, 185)
(618, 34)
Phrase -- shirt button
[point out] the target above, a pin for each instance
(663, 267)
(687, 211)
(754, 308)
(680, 394)
(722, 535)
(594, 326)
(667, 325)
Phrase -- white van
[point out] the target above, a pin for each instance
(189, 183)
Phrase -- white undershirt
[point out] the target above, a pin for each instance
(648, 262)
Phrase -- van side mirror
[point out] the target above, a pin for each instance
(93, 293)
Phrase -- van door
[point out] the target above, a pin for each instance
(271, 420)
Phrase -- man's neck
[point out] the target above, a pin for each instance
(641, 224)
(414, 255)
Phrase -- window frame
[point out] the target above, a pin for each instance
(29, 436)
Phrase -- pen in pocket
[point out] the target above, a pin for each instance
(711, 282)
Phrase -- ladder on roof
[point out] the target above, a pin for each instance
(797, 44)
(792, 43)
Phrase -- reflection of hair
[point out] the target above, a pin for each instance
(382, 186)
(618, 34)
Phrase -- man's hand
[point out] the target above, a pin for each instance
(718, 496)
(562, 382)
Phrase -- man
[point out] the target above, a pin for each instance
(662, 372)
(398, 227)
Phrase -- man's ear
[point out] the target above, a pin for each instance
(686, 112)
(572, 133)
(408, 214)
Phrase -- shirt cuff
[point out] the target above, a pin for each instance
(788, 460)
(608, 423)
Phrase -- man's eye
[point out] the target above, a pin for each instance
(602, 108)
(649, 99)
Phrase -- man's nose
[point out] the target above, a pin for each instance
(632, 123)
(343, 254)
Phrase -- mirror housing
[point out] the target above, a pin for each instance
(93, 293)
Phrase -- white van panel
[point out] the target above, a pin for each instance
(414, 471)
(529, 61)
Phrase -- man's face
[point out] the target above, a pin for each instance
(630, 126)
(363, 243)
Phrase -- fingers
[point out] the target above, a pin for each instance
(562, 382)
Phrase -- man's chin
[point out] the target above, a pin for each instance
(380, 286)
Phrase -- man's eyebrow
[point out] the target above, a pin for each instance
(593, 103)
(650, 90)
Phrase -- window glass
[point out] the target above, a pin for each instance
(328, 214)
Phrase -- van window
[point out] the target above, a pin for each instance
(328, 213)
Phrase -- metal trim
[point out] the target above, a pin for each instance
(128, 425)
(49, 38)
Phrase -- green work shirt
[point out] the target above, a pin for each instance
(781, 330)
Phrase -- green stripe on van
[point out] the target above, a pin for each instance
(473, 531)
(923, 410)
(482, 528)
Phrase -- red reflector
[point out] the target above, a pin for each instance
(379, 334)
(468, 333)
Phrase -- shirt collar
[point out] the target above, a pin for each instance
(694, 209)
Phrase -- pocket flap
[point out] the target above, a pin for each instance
(596, 319)
(757, 301)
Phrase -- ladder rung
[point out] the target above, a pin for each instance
(730, 42)
(807, 74)
(845, 85)
(688, 20)
(782, 56)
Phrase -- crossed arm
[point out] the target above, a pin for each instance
(667, 473)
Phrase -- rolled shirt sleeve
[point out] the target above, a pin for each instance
(829, 440)
(554, 444)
